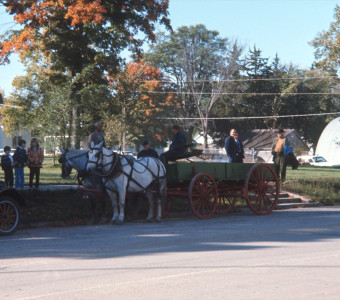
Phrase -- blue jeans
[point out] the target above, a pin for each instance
(19, 177)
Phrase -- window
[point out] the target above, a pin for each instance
(15, 141)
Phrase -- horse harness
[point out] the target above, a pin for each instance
(116, 168)
(80, 174)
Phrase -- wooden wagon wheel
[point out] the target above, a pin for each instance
(9, 215)
(225, 203)
(261, 189)
(167, 205)
(203, 195)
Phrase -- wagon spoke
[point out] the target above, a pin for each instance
(255, 178)
(264, 201)
(211, 189)
(268, 199)
(202, 206)
(209, 203)
(199, 205)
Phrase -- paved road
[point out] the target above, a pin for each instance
(292, 254)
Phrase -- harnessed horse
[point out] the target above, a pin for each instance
(77, 159)
(121, 174)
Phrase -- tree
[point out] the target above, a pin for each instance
(139, 99)
(272, 89)
(81, 37)
(327, 46)
(200, 62)
(45, 106)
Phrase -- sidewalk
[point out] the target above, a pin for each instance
(51, 187)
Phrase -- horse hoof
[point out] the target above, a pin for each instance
(119, 222)
(113, 222)
(102, 221)
(92, 221)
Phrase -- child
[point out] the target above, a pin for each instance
(35, 160)
(19, 160)
(7, 166)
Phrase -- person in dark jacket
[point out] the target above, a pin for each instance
(231, 147)
(7, 166)
(19, 161)
(240, 150)
(177, 146)
(147, 151)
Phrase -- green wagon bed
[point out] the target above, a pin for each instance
(214, 187)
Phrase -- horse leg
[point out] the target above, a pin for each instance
(160, 196)
(149, 196)
(122, 196)
(93, 219)
(113, 198)
(103, 219)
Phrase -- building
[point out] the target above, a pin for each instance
(258, 144)
(13, 139)
(329, 142)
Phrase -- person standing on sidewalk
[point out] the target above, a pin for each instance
(19, 161)
(7, 166)
(278, 155)
(35, 160)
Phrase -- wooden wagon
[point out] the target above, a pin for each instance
(214, 187)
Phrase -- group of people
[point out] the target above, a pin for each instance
(233, 147)
(235, 152)
(177, 146)
(33, 158)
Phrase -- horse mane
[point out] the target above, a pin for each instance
(117, 167)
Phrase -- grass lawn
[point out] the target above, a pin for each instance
(49, 174)
(320, 184)
(67, 207)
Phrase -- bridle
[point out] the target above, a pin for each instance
(66, 168)
(99, 163)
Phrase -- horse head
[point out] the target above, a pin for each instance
(95, 157)
(66, 168)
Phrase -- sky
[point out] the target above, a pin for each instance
(275, 26)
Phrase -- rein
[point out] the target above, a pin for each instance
(99, 163)
(99, 166)
(65, 160)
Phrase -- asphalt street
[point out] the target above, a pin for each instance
(290, 254)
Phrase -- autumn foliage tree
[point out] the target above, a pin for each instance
(81, 37)
(139, 94)
(327, 46)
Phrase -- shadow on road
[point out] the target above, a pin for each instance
(235, 232)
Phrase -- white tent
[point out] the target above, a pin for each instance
(329, 142)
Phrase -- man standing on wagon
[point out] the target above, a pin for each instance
(231, 147)
(278, 154)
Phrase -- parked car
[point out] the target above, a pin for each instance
(317, 160)
(10, 204)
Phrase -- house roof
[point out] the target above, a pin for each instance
(262, 139)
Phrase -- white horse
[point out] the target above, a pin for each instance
(121, 174)
(77, 159)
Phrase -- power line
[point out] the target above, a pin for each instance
(244, 79)
(247, 94)
(257, 117)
